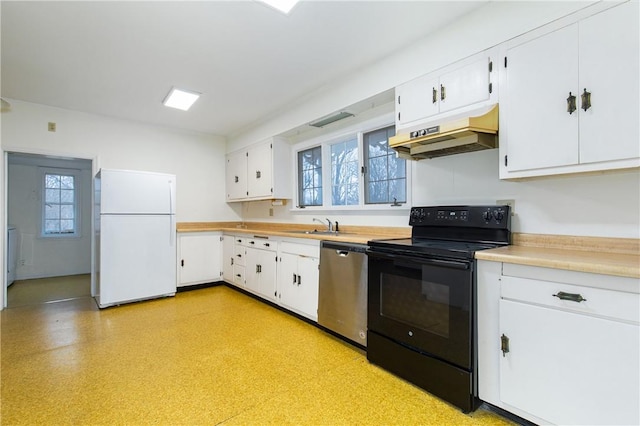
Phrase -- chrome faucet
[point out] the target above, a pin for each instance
(329, 224)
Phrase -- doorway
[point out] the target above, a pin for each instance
(48, 210)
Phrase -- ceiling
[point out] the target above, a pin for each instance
(120, 58)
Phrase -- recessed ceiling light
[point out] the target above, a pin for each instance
(180, 99)
(283, 6)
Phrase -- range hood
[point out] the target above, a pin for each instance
(473, 131)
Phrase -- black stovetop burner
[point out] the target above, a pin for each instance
(452, 231)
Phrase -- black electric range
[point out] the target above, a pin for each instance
(421, 298)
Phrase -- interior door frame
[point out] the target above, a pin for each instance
(95, 166)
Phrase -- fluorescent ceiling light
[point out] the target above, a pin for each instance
(283, 6)
(180, 99)
(331, 119)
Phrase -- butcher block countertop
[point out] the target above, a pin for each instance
(609, 256)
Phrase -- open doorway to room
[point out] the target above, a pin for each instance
(49, 229)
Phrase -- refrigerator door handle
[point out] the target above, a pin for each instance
(172, 224)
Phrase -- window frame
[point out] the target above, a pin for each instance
(76, 201)
(325, 141)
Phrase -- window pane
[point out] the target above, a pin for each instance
(378, 169)
(66, 182)
(52, 181)
(398, 190)
(386, 176)
(310, 177)
(67, 212)
(52, 211)
(344, 172)
(52, 196)
(51, 226)
(67, 226)
(66, 196)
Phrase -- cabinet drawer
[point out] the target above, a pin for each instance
(604, 303)
(238, 275)
(239, 254)
(261, 243)
(301, 249)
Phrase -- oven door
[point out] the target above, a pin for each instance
(423, 303)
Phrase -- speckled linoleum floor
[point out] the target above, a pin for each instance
(209, 356)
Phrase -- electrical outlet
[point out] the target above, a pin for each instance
(51, 126)
(510, 203)
(270, 212)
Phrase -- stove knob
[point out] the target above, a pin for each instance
(486, 216)
(423, 132)
(499, 215)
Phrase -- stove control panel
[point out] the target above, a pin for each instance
(462, 216)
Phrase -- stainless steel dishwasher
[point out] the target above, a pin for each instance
(342, 302)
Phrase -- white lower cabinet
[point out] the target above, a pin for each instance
(228, 245)
(260, 268)
(199, 258)
(298, 278)
(557, 346)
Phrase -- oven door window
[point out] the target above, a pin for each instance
(419, 303)
(423, 304)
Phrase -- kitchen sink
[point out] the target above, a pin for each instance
(316, 232)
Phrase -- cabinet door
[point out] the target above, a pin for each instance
(252, 275)
(287, 280)
(236, 176)
(308, 286)
(200, 255)
(464, 86)
(260, 171)
(227, 258)
(609, 71)
(267, 263)
(414, 100)
(569, 368)
(540, 74)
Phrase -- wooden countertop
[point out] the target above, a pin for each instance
(351, 234)
(609, 256)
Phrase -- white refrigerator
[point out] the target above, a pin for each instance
(135, 236)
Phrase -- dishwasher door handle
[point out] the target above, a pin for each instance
(342, 253)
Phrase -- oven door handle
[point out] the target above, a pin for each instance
(416, 262)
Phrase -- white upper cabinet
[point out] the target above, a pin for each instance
(569, 96)
(260, 172)
(467, 83)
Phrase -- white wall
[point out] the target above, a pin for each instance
(197, 159)
(46, 257)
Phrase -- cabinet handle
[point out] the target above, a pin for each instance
(504, 345)
(239, 255)
(443, 93)
(586, 99)
(236, 179)
(182, 262)
(299, 280)
(570, 296)
(267, 245)
(252, 242)
(294, 278)
(258, 174)
(571, 104)
(232, 260)
(434, 97)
